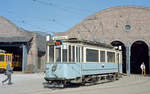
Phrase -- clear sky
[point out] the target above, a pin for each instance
(56, 15)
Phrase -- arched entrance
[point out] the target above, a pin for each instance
(139, 54)
(118, 43)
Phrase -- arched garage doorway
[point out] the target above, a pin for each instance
(139, 54)
(118, 43)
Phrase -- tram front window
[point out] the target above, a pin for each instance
(58, 55)
(64, 55)
(51, 54)
(73, 53)
(78, 54)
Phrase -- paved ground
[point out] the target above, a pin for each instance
(32, 84)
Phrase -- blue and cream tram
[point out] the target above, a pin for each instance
(81, 61)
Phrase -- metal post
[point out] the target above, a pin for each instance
(75, 59)
(128, 58)
(81, 54)
(149, 59)
(24, 59)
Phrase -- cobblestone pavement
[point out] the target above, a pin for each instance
(32, 84)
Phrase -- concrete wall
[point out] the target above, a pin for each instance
(32, 56)
(36, 59)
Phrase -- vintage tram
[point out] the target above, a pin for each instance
(81, 61)
(14, 60)
(4, 59)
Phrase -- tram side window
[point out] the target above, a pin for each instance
(64, 55)
(1, 57)
(58, 54)
(82, 54)
(9, 58)
(117, 57)
(111, 57)
(102, 56)
(78, 54)
(6, 58)
(91, 55)
(73, 53)
(51, 54)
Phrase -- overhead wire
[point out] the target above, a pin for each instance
(22, 21)
(67, 9)
(73, 8)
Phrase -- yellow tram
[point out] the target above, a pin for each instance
(15, 60)
(4, 59)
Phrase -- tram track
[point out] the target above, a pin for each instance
(128, 83)
(96, 87)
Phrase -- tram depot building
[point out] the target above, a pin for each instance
(125, 26)
(28, 46)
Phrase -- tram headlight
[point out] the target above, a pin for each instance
(102, 65)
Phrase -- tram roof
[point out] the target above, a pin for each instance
(2, 51)
(86, 42)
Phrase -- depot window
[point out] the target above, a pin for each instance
(127, 27)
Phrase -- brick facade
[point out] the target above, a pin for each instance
(126, 24)
(109, 25)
